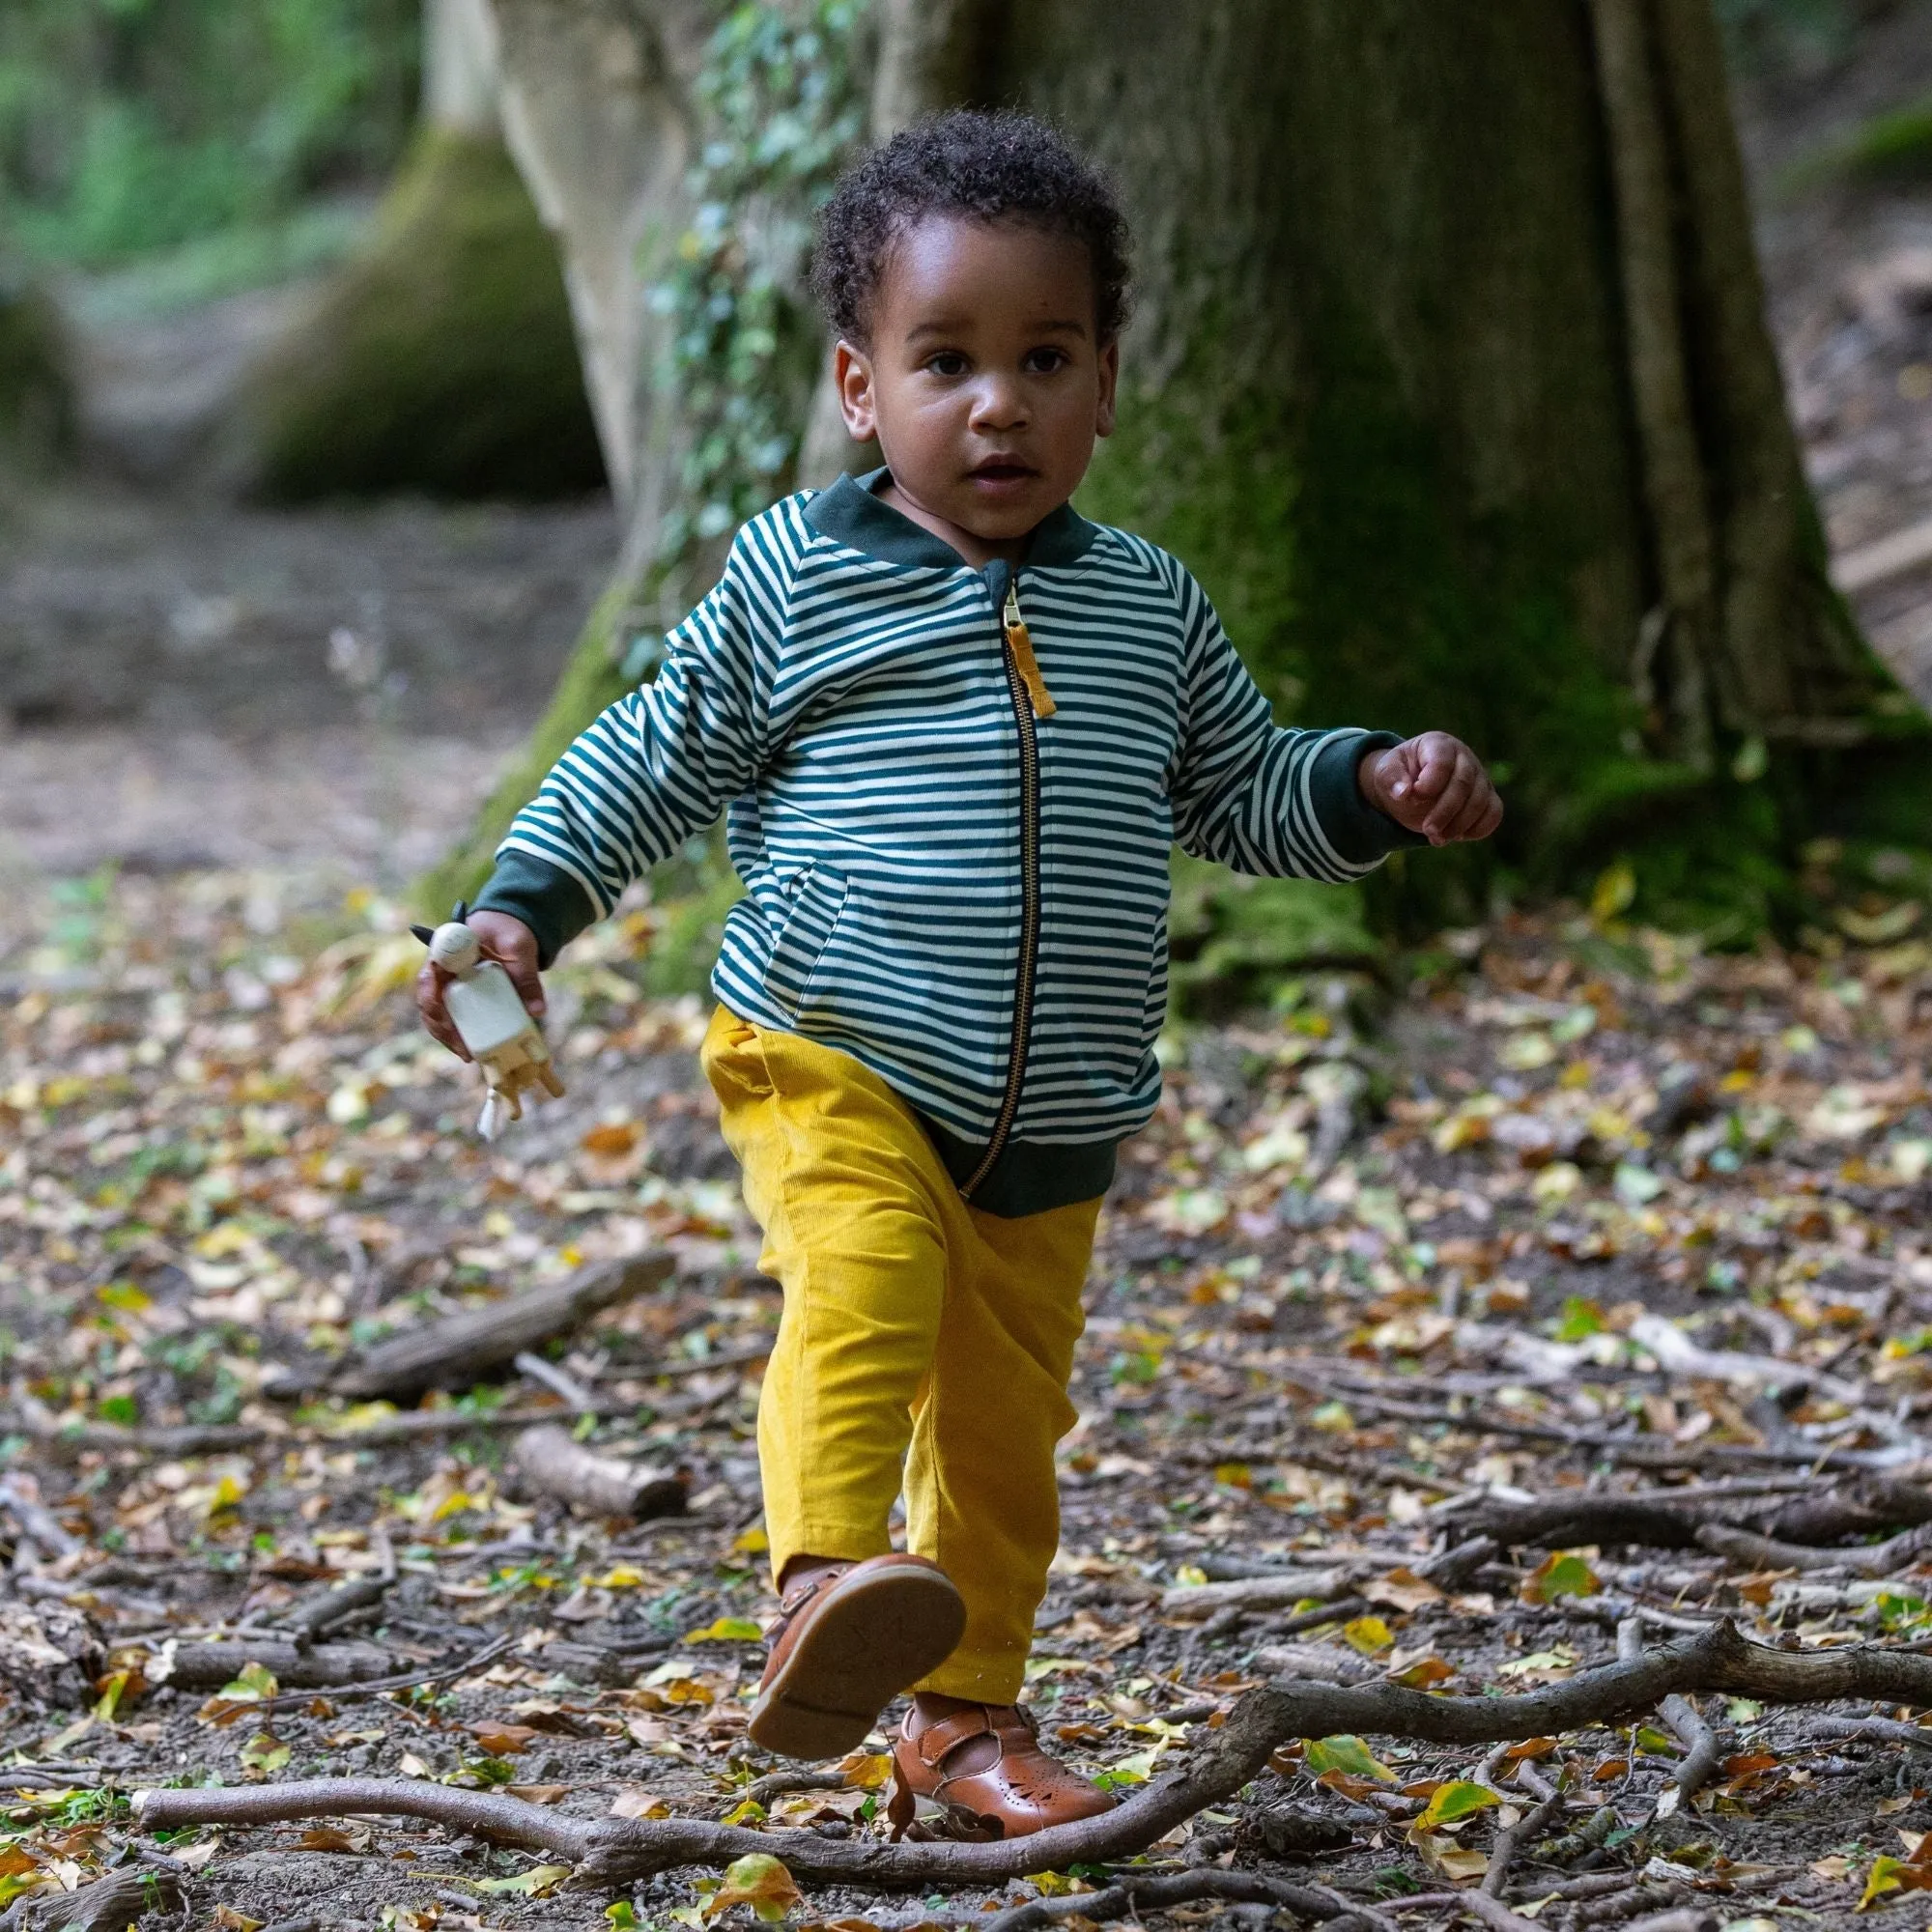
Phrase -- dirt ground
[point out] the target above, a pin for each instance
(1573, 1214)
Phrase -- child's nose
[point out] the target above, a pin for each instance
(999, 403)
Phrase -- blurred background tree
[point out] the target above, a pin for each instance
(130, 125)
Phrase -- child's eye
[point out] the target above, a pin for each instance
(948, 362)
(1044, 362)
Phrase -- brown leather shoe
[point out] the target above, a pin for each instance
(986, 1765)
(845, 1645)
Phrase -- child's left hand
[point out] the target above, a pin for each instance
(1433, 785)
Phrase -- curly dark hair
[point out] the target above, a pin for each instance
(986, 167)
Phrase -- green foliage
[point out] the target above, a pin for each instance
(1892, 146)
(1233, 939)
(783, 96)
(442, 358)
(130, 125)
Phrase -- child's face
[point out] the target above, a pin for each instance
(983, 381)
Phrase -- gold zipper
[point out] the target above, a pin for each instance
(1019, 642)
(1031, 699)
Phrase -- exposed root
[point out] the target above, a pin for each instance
(617, 1851)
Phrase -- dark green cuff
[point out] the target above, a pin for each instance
(1030, 1177)
(544, 897)
(1359, 834)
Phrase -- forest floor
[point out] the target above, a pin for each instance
(1405, 1287)
(1582, 1215)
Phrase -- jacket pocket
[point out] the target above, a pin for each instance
(816, 897)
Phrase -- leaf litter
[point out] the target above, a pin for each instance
(1596, 1258)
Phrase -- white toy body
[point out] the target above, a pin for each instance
(485, 1010)
(497, 1028)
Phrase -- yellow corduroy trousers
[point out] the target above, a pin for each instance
(924, 1344)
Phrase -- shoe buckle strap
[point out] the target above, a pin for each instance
(941, 1738)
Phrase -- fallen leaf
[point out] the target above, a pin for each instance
(328, 1838)
(1346, 1755)
(1404, 1589)
(537, 1883)
(637, 1801)
(727, 1629)
(1368, 1635)
(1424, 1674)
(1561, 1574)
(1889, 1875)
(1454, 1802)
(503, 1740)
(760, 1881)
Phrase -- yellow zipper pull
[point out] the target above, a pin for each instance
(1024, 661)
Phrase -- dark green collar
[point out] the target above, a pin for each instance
(851, 513)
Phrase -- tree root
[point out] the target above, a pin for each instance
(615, 1852)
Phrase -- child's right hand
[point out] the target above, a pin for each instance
(513, 945)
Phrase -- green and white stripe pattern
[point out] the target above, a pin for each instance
(841, 694)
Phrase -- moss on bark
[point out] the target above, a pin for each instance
(441, 360)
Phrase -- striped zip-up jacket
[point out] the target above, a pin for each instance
(967, 896)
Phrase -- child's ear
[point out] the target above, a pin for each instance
(1110, 383)
(852, 371)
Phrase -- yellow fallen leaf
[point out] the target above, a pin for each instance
(536, 1883)
(760, 1881)
(866, 1770)
(1368, 1635)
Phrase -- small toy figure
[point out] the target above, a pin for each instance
(502, 1037)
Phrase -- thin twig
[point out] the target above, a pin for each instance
(1493, 1911)
(780, 1783)
(1884, 1730)
(1157, 1894)
(1509, 1842)
(553, 1379)
(406, 1680)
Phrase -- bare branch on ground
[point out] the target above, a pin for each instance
(617, 1851)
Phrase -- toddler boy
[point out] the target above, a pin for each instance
(955, 730)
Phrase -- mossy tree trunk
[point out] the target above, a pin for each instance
(1451, 381)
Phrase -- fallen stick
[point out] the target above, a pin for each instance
(1639, 1451)
(1869, 1559)
(1510, 1841)
(38, 1523)
(1700, 1748)
(1280, 1592)
(322, 1666)
(548, 1460)
(463, 1349)
(403, 1680)
(533, 1368)
(1283, 1589)
(1699, 1764)
(615, 1852)
(1491, 1910)
(1134, 1895)
(113, 1903)
(1882, 1730)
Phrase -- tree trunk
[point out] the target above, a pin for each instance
(1451, 381)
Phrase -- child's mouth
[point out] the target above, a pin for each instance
(1002, 475)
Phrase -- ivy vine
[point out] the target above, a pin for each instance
(782, 96)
